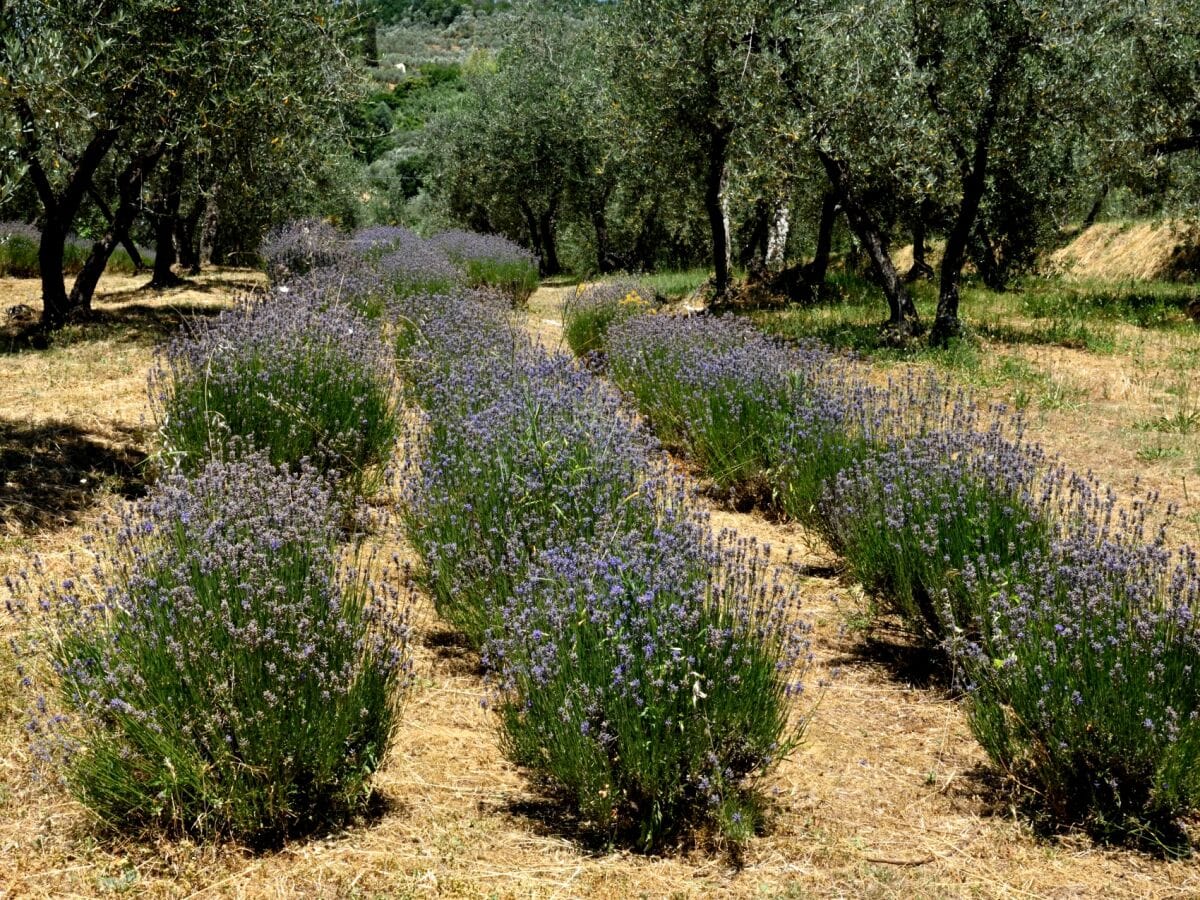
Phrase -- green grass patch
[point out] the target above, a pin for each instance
(1036, 311)
(678, 284)
(518, 279)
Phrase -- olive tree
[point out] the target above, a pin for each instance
(134, 82)
(849, 86)
(912, 105)
(687, 72)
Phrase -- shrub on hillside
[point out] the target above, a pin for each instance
(299, 378)
(221, 671)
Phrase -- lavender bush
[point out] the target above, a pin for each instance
(910, 519)
(420, 270)
(458, 351)
(301, 378)
(641, 670)
(1073, 631)
(299, 247)
(19, 250)
(742, 405)
(491, 261)
(355, 282)
(1083, 684)
(19, 245)
(594, 308)
(220, 670)
(647, 678)
(377, 240)
(539, 459)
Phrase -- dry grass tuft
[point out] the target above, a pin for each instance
(1141, 251)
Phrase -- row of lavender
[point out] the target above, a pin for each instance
(223, 663)
(639, 666)
(1062, 612)
(19, 244)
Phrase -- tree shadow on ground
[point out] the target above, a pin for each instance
(189, 285)
(904, 658)
(134, 323)
(52, 472)
(453, 653)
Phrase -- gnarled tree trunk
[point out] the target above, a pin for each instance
(121, 234)
(920, 269)
(547, 223)
(166, 214)
(974, 182)
(129, 188)
(715, 206)
(903, 320)
(802, 282)
(187, 237)
(60, 208)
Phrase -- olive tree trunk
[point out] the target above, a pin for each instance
(903, 320)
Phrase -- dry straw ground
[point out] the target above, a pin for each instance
(888, 797)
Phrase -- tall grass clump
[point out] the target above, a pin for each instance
(19, 250)
(299, 247)
(647, 678)
(300, 378)
(491, 261)
(218, 670)
(1083, 685)
(593, 309)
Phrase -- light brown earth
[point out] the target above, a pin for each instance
(1124, 251)
(888, 797)
(1109, 251)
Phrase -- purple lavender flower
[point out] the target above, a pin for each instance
(299, 247)
(297, 376)
(224, 672)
